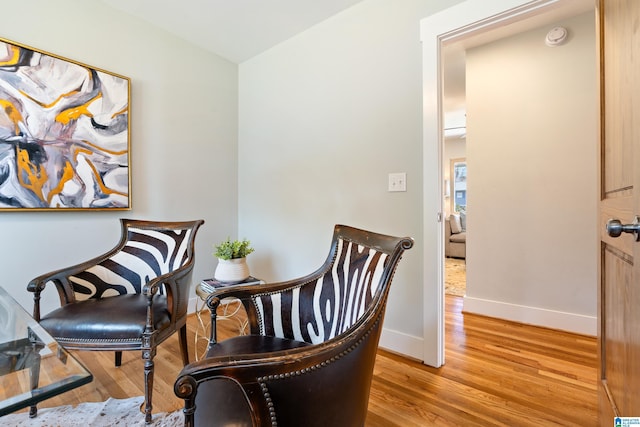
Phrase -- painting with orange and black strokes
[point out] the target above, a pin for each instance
(64, 133)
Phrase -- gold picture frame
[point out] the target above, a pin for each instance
(64, 133)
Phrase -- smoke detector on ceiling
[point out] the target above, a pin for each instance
(556, 36)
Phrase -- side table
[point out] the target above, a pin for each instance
(230, 308)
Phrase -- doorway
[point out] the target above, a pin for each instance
(462, 22)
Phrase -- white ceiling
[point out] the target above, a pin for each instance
(240, 29)
(234, 29)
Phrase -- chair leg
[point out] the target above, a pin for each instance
(34, 377)
(118, 358)
(184, 350)
(148, 389)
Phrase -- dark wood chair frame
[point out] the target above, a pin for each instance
(255, 373)
(176, 284)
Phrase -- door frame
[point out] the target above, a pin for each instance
(464, 20)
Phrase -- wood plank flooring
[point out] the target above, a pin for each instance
(497, 373)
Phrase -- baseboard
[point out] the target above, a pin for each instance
(404, 344)
(570, 322)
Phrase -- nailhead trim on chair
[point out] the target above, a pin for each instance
(265, 388)
(88, 340)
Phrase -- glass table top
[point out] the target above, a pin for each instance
(33, 366)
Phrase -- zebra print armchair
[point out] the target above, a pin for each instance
(308, 359)
(131, 298)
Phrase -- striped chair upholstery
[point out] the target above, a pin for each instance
(146, 254)
(320, 309)
(131, 298)
(309, 356)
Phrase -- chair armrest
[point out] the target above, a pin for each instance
(60, 278)
(245, 292)
(170, 280)
(177, 284)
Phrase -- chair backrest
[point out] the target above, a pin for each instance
(339, 309)
(332, 300)
(147, 250)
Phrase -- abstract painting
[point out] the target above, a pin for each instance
(64, 133)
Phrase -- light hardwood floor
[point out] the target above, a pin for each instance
(497, 373)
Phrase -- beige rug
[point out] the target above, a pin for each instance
(113, 412)
(455, 276)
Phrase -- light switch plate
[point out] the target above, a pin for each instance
(398, 181)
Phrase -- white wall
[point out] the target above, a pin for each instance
(183, 138)
(324, 118)
(532, 158)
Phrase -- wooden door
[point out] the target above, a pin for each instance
(619, 298)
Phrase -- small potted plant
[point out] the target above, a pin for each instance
(232, 260)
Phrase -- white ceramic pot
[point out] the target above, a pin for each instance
(232, 270)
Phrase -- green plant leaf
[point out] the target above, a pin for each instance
(233, 249)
